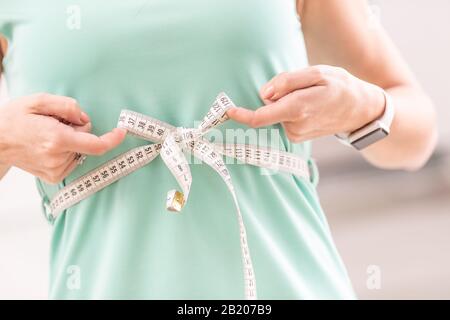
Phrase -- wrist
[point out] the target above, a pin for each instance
(372, 105)
(378, 103)
(375, 130)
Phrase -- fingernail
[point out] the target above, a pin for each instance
(84, 117)
(268, 92)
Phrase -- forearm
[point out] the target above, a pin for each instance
(413, 133)
(344, 33)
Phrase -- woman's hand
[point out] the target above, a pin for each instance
(314, 102)
(42, 133)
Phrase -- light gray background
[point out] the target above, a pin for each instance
(399, 222)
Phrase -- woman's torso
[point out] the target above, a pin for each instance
(169, 59)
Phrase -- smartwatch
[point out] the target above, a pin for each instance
(372, 132)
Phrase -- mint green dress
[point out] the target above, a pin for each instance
(169, 59)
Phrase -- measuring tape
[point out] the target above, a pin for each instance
(171, 143)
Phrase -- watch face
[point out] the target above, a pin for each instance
(370, 138)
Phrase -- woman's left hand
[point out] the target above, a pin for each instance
(313, 102)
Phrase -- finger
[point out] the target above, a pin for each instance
(42, 174)
(288, 82)
(61, 107)
(64, 159)
(275, 112)
(70, 167)
(33, 171)
(57, 174)
(291, 132)
(87, 143)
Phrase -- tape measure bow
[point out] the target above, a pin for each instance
(171, 143)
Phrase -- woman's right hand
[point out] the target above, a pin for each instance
(43, 133)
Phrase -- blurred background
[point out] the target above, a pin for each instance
(396, 223)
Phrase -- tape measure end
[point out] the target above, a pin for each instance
(175, 201)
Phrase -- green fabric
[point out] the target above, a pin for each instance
(169, 59)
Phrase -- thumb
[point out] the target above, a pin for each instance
(87, 143)
(270, 114)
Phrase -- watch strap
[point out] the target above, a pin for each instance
(373, 131)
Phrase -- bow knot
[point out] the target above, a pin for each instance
(186, 136)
